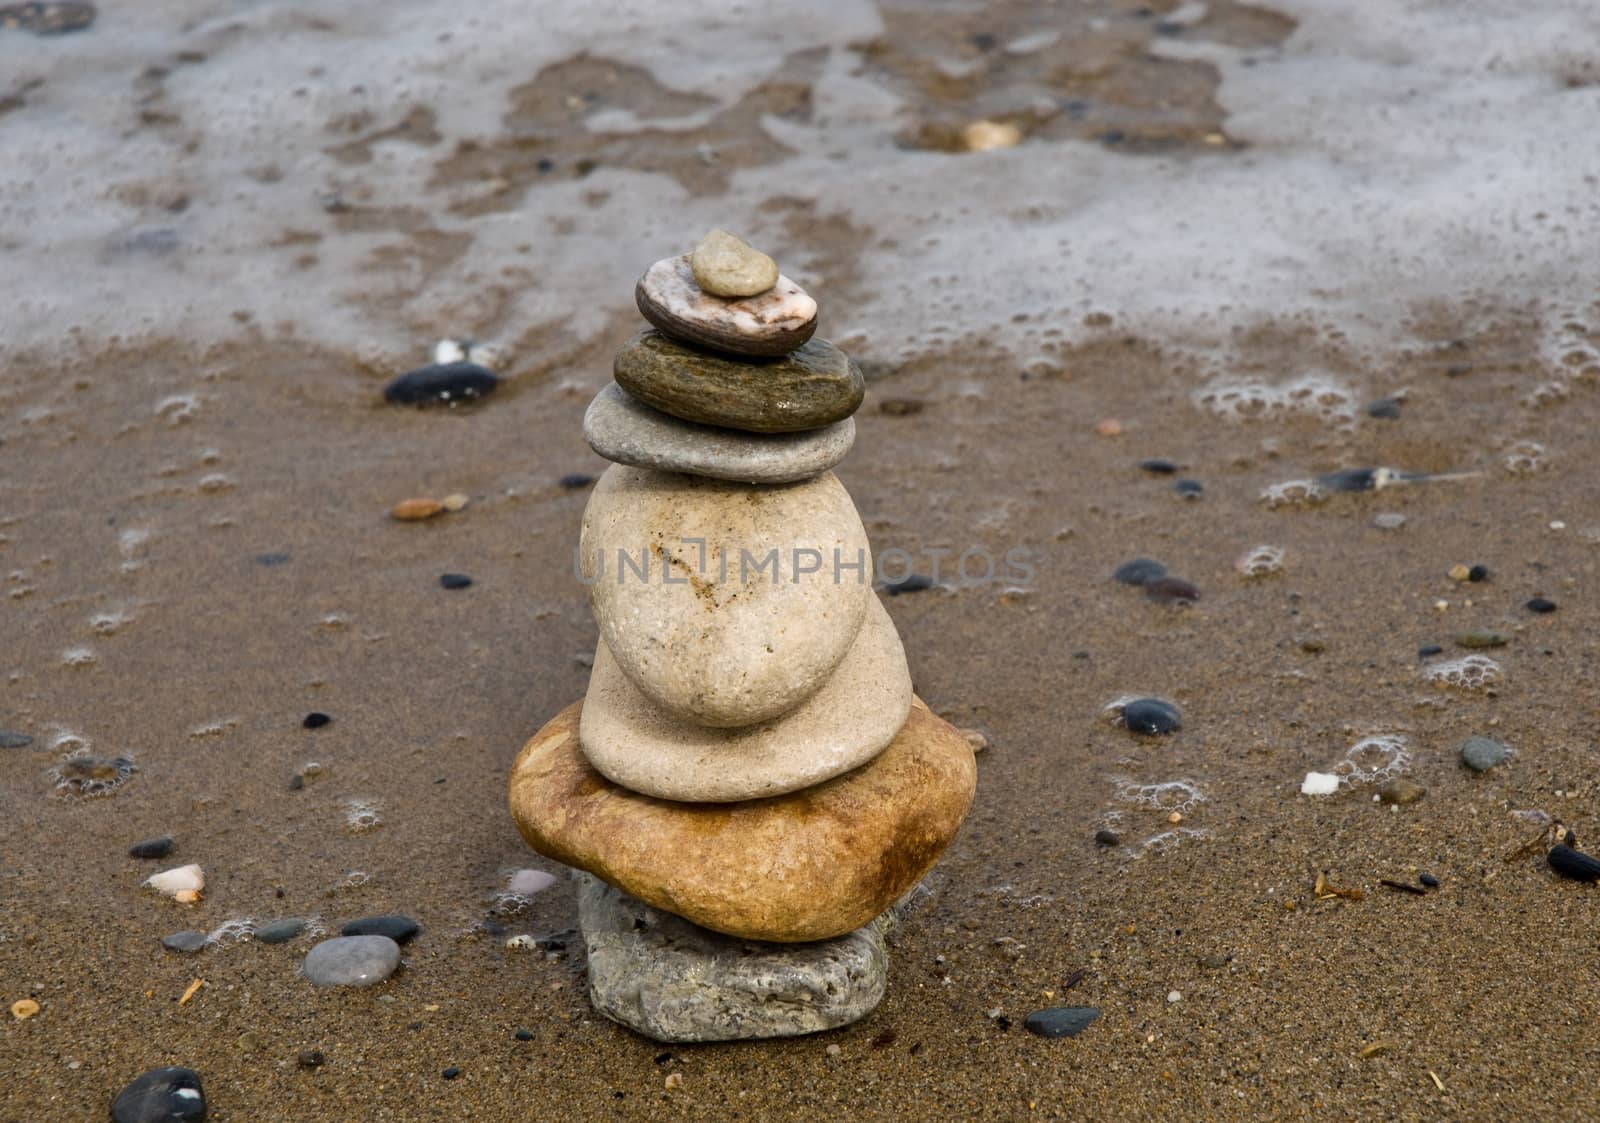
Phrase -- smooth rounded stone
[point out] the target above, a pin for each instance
(1060, 1021)
(1481, 639)
(184, 941)
(1150, 715)
(713, 634)
(635, 743)
(1401, 791)
(279, 931)
(158, 847)
(1573, 863)
(773, 322)
(1481, 754)
(814, 385)
(400, 929)
(1170, 590)
(726, 265)
(1540, 605)
(625, 430)
(810, 865)
(162, 1095)
(352, 961)
(1139, 571)
(445, 384)
(676, 982)
(10, 739)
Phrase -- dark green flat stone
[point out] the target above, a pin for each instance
(814, 385)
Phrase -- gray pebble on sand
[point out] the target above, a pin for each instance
(1481, 754)
(352, 961)
(184, 941)
(280, 931)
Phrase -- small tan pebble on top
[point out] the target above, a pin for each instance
(414, 510)
(454, 502)
(728, 266)
(982, 136)
(975, 738)
(1459, 572)
(1109, 427)
(1175, 817)
(674, 1081)
(24, 1008)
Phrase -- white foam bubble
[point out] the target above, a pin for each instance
(1470, 673)
(1293, 493)
(363, 814)
(1166, 795)
(1311, 395)
(1259, 561)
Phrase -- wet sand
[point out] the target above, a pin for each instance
(231, 567)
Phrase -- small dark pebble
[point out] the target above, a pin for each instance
(1541, 605)
(1478, 573)
(1061, 1021)
(1159, 467)
(162, 1095)
(184, 941)
(572, 481)
(1107, 838)
(1003, 1023)
(398, 928)
(662, 1058)
(311, 1058)
(1171, 590)
(270, 560)
(1429, 880)
(1429, 649)
(1351, 479)
(151, 847)
(446, 384)
(1189, 489)
(1400, 887)
(279, 931)
(1386, 408)
(316, 720)
(10, 740)
(1574, 864)
(523, 1035)
(885, 1039)
(1150, 715)
(451, 1073)
(900, 407)
(915, 583)
(454, 581)
(1139, 571)
(1075, 978)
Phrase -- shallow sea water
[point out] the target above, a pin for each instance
(1229, 228)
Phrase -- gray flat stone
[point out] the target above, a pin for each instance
(280, 931)
(623, 429)
(352, 961)
(1481, 754)
(676, 982)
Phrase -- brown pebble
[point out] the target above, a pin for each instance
(24, 1008)
(1109, 427)
(455, 502)
(1459, 572)
(674, 1081)
(1401, 791)
(1170, 590)
(1175, 818)
(415, 510)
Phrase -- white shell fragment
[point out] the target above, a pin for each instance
(1319, 783)
(183, 883)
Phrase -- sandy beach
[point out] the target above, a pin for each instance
(197, 465)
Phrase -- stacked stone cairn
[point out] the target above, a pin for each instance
(750, 785)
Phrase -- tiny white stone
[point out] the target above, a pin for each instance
(183, 879)
(1174, 996)
(523, 942)
(525, 883)
(1319, 783)
(1558, 525)
(448, 351)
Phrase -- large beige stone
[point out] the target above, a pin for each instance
(733, 631)
(810, 865)
(633, 742)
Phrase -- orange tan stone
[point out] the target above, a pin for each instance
(809, 865)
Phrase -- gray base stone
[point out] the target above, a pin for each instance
(676, 982)
(625, 430)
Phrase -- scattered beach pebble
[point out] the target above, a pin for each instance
(1573, 863)
(351, 961)
(985, 136)
(1387, 409)
(24, 1008)
(1189, 489)
(1104, 837)
(1388, 520)
(11, 740)
(1541, 605)
(1428, 880)
(447, 384)
(726, 265)
(523, 1035)
(1139, 571)
(1108, 427)
(1174, 996)
(1459, 572)
(976, 738)
(1481, 753)
(399, 928)
(451, 1073)
(280, 931)
(454, 581)
(151, 847)
(316, 719)
(311, 1058)
(162, 1095)
(572, 481)
(1428, 650)
(1061, 1021)
(1171, 590)
(184, 941)
(415, 510)
(1401, 791)
(901, 407)
(1478, 573)
(1481, 639)
(1319, 783)
(454, 502)
(183, 884)
(913, 583)
(1159, 467)
(1150, 715)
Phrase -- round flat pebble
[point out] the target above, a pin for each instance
(1189, 489)
(1139, 571)
(401, 929)
(184, 941)
(1159, 467)
(1150, 715)
(813, 386)
(1170, 590)
(280, 931)
(444, 384)
(1429, 880)
(1061, 1021)
(454, 581)
(574, 481)
(151, 848)
(1481, 753)
(523, 1035)
(316, 720)
(1541, 605)
(773, 322)
(451, 1073)
(162, 1095)
(13, 740)
(1428, 650)
(352, 961)
(623, 429)
(1401, 791)
(1107, 838)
